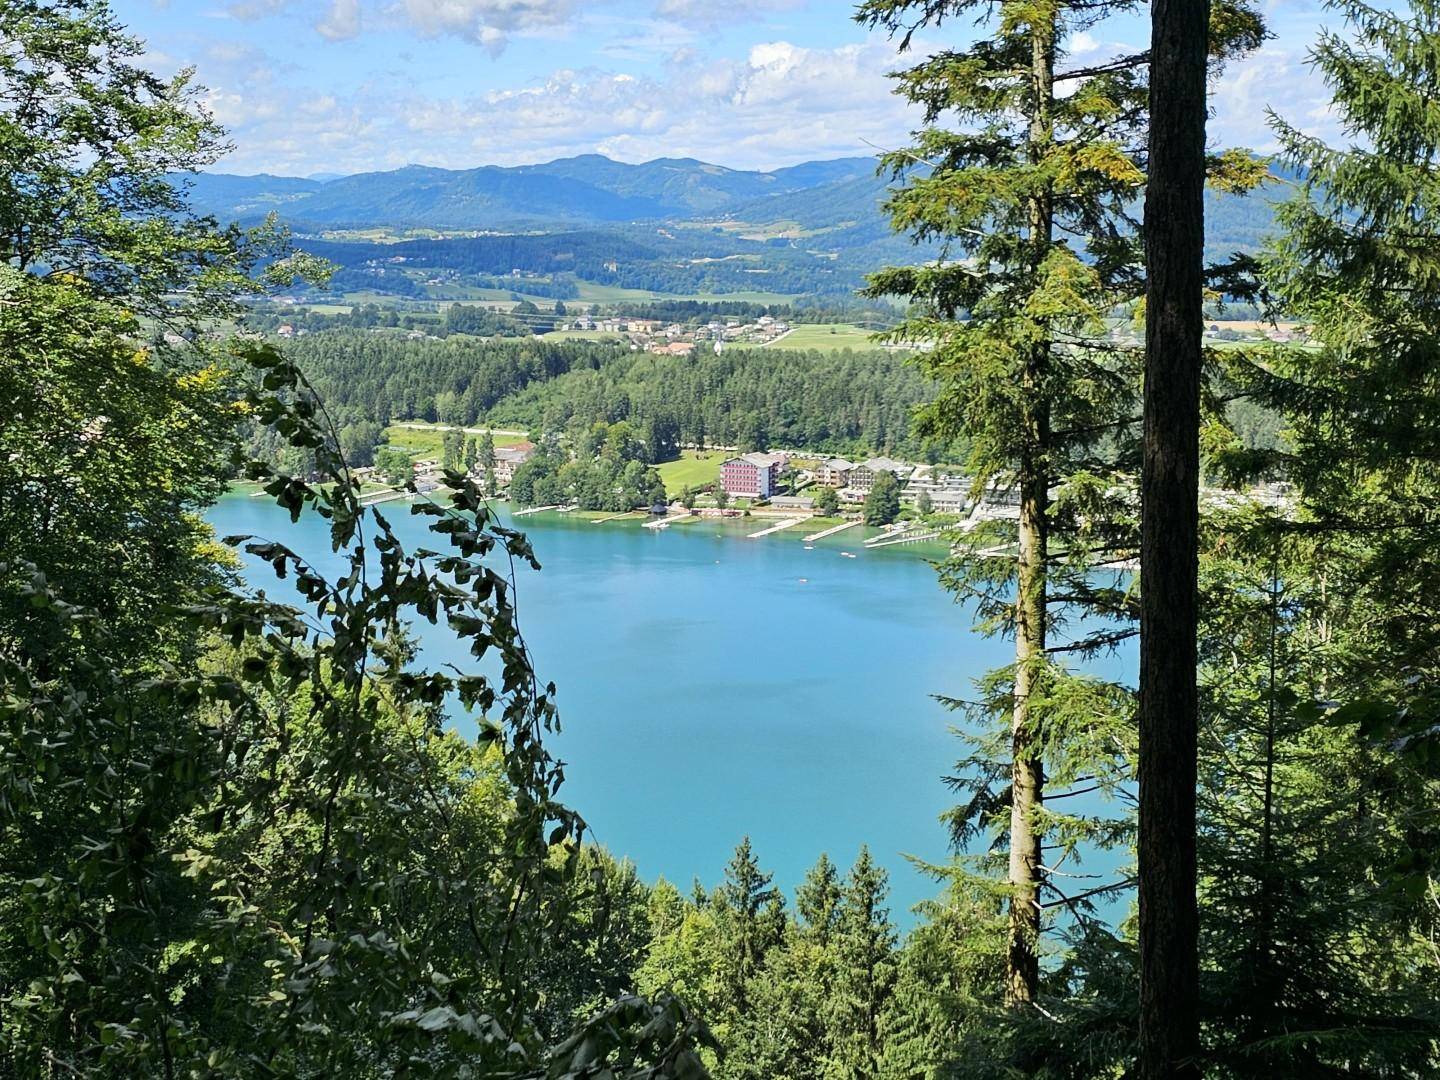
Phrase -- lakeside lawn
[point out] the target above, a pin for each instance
(250, 488)
(694, 469)
(426, 441)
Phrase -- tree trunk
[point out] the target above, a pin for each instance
(1027, 772)
(1174, 250)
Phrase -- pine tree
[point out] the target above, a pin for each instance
(1315, 940)
(1359, 262)
(865, 967)
(750, 912)
(1014, 314)
(817, 901)
(1033, 201)
(452, 451)
(1169, 544)
(882, 504)
(1318, 833)
(485, 458)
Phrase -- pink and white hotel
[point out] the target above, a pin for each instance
(751, 474)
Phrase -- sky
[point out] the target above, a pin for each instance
(311, 87)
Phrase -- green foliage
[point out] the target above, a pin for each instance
(809, 996)
(827, 501)
(1319, 834)
(452, 451)
(236, 838)
(394, 464)
(1312, 817)
(606, 472)
(882, 502)
(1029, 189)
(88, 142)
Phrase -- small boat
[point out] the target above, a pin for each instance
(847, 554)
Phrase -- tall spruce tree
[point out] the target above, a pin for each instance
(1032, 202)
(1314, 817)
(864, 973)
(751, 914)
(1318, 831)
(1169, 540)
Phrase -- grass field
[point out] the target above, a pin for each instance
(826, 337)
(426, 441)
(694, 469)
(590, 293)
(611, 294)
(580, 335)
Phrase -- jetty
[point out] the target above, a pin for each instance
(660, 523)
(384, 497)
(779, 527)
(830, 531)
(902, 538)
(612, 517)
(536, 510)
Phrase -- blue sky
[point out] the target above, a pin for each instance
(311, 86)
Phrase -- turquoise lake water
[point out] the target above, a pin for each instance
(712, 686)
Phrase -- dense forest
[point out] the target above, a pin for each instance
(754, 398)
(239, 838)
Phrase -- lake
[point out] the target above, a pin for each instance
(713, 686)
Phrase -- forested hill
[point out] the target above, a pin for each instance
(834, 205)
(585, 189)
(860, 402)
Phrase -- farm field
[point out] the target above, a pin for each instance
(613, 294)
(590, 293)
(580, 335)
(826, 337)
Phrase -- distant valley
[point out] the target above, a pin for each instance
(673, 226)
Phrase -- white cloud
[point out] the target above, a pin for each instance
(486, 23)
(716, 12)
(257, 9)
(778, 105)
(1274, 78)
(342, 22)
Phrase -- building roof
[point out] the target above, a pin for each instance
(760, 461)
(839, 464)
(885, 464)
(518, 452)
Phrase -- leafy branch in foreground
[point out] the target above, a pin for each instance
(266, 855)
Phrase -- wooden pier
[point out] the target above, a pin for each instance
(830, 531)
(780, 527)
(384, 497)
(902, 538)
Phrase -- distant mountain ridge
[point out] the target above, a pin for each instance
(586, 190)
(828, 206)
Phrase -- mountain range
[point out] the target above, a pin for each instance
(832, 206)
(586, 190)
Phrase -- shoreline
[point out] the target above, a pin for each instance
(829, 533)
